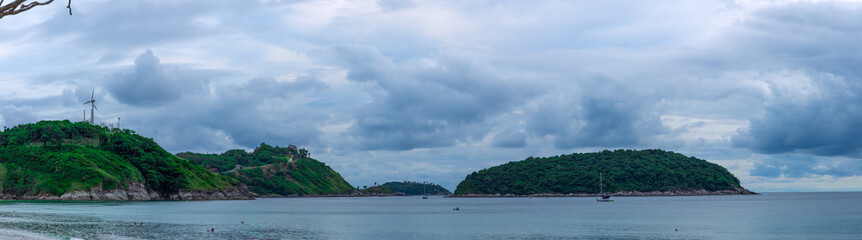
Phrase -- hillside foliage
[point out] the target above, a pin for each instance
(622, 170)
(56, 157)
(275, 170)
(262, 155)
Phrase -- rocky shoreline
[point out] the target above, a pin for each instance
(137, 192)
(701, 192)
(353, 194)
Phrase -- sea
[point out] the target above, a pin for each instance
(766, 216)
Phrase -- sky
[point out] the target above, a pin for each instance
(391, 90)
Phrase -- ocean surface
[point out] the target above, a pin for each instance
(766, 216)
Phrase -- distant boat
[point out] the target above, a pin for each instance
(424, 193)
(602, 196)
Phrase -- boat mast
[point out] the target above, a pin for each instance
(601, 190)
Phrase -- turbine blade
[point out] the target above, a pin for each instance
(94, 106)
(93, 94)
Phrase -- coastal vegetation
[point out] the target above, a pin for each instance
(274, 170)
(622, 170)
(376, 191)
(57, 157)
(416, 188)
(262, 155)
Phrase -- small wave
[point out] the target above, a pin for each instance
(11, 234)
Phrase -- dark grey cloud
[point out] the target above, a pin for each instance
(245, 114)
(129, 25)
(239, 115)
(150, 83)
(825, 123)
(433, 103)
(800, 166)
(511, 139)
(813, 109)
(15, 115)
(603, 113)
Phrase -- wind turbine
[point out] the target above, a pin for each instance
(93, 107)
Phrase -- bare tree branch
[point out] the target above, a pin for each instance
(19, 6)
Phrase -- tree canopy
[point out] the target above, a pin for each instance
(622, 170)
(18, 6)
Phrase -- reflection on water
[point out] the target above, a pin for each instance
(768, 216)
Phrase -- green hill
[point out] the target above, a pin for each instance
(275, 170)
(415, 188)
(52, 158)
(623, 170)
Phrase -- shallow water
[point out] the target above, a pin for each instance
(767, 216)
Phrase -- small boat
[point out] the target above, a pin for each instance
(424, 193)
(602, 196)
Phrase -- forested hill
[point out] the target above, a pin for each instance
(275, 170)
(262, 155)
(48, 159)
(416, 188)
(623, 171)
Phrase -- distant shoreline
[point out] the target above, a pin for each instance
(340, 195)
(618, 194)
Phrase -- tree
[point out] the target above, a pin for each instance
(56, 135)
(19, 6)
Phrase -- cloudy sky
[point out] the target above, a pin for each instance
(390, 90)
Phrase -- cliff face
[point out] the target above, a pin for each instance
(137, 192)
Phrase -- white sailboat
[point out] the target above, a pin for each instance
(602, 196)
(424, 194)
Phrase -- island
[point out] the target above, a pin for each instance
(651, 172)
(62, 160)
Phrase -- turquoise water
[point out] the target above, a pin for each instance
(767, 216)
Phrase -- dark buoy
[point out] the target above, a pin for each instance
(243, 222)
(676, 230)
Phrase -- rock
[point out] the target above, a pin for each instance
(136, 191)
